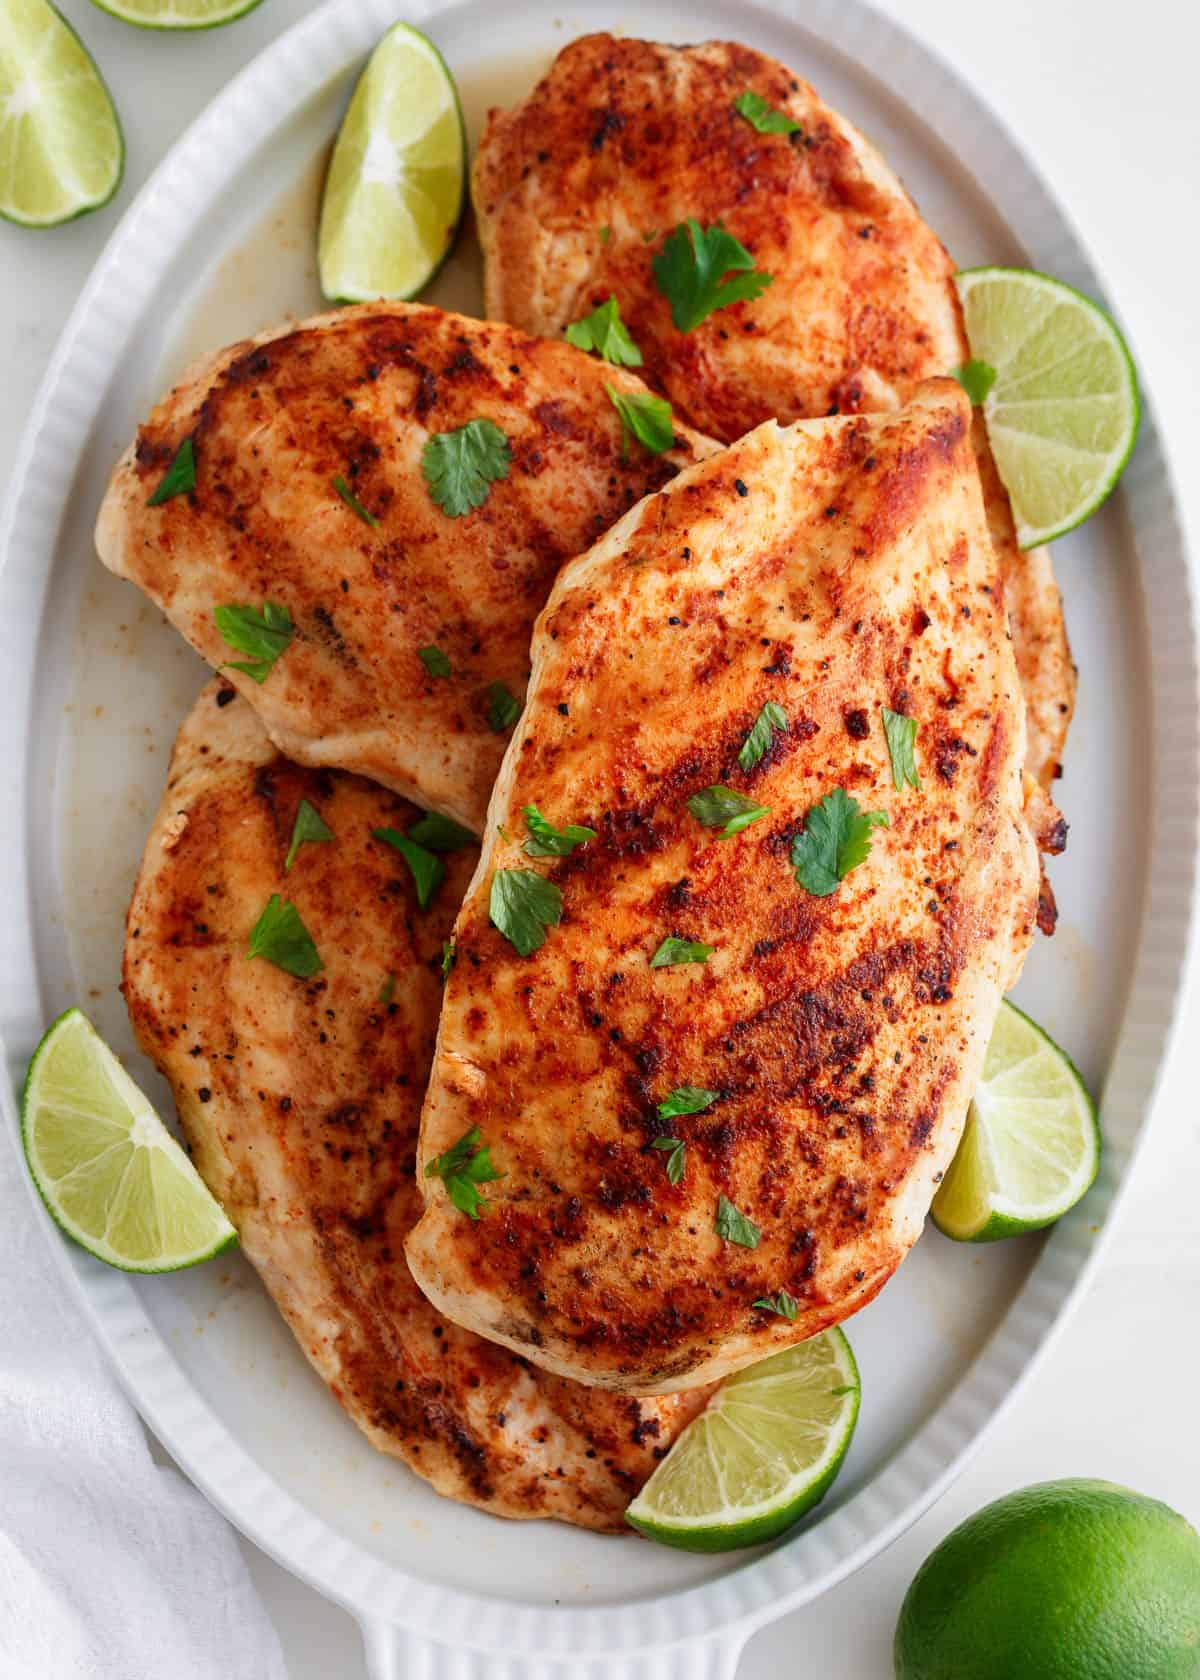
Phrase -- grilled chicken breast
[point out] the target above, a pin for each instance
(355, 395)
(832, 568)
(622, 141)
(300, 1101)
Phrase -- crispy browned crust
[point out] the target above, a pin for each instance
(300, 1101)
(356, 394)
(835, 567)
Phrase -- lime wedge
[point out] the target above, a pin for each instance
(1031, 1146)
(61, 151)
(1062, 415)
(396, 187)
(107, 1168)
(177, 14)
(762, 1453)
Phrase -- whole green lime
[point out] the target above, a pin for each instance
(1070, 1580)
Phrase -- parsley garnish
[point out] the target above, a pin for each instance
(714, 806)
(461, 1168)
(686, 1099)
(763, 116)
(503, 707)
(690, 271)
(771, 718)
(388, 990)
(428, 872)
(674, 951)
(604, 332)
(733, 1225)
(307, 826)
(976, 379)
(604, 234)
(547, 841)
(461, 466)
(449, 958)
(901, 735)
(439, 834)
(282, 938)
(836, 839)
(264, 635)
(353, 503)
(434, 660)
(676, 1160)
(523, 905)
(781, 1303)
(179, 478)
(644, 417)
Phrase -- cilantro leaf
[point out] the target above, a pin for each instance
(307, 826)
(353, 503)
(434, 660)
(428, 872)
(264, 635)
(716, 805)
(604, 332)
(836, 839)
(547, 841)
(523, 905)
(449, 958)
(976, 379)
(461, 466)
(644, 417)
(901, 733)
(439, 834)
(690, 272)
(503, 708)
(674, 951)
(771, 718)
(461, 1168)
(763, 116)
(179, 478)
(732, 1224)
(686, 1099)
(781, 1303)
(676, 1160)
(281, 937)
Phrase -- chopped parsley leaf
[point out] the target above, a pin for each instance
(717, 806)
(781, 1303)
(281, 937)
(503, 707)
(836, 839)
(763, 116)
(645, 417)
(263, 634)
(449, 958)
(672, 952)
(523, 904)
(434, 660)
(604, 333)
(353, 503)
(771, 718)
(308, 825)
(441, 834)
(388, 990)
(462, 1168)
(461, 466)
(547, 841)
(428, 872)
(686, 1099)
(732, 1224)
(693, 269)
(901, 733)
(976, 379)
(179, 478)
(676, 1160)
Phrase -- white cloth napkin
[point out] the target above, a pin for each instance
(112, 1567)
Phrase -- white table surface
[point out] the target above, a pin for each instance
(1104, 94)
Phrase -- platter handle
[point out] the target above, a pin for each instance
(393, 1653)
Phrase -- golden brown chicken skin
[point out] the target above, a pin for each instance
(356, 395)
(833, 568)
(577, 187)
(300, 1101)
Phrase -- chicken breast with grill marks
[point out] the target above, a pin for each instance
(622, 141)
(300, 1100)
(355, 395)
(832, 568)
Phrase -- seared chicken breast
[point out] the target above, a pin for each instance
(815, 1057)
(300, 1100)
(289, 431)
(577, 188)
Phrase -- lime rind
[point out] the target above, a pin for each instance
(110, 1174)
(178, 17)
(62, 149)
(1064, 411)
(397, 184)
(763, 1453)
(1030, 1149)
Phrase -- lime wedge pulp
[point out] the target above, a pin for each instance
(396, 187)
(61, 150)
(1062, 414)
(763, 1452)
(107, 1168)
(1031, 1146)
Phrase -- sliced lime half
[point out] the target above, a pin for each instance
(396, 187)
(177, 14)
(1062, 413)
(61, 150)
(763, 1452)
(107, 1168)
(1031, 1146)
